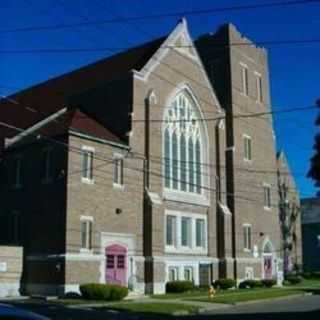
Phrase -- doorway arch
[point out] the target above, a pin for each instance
(267, 260)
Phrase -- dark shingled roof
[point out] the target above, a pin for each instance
(50, 96)
(78, 121)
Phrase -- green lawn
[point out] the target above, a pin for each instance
(307, 283)
(154, 307)
(179, 295)
(78, 301)
(248, 295)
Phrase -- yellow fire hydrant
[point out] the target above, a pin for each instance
(211, 292)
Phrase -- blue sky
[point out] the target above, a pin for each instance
(294, 69)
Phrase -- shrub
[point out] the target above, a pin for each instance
(243, 284)
(225, 284)
(268, 283)
(98, 291)
(310, 275)
(251, 284)
(95, 291)
(286, 283)
(118, 292)
(201, 288)
(293, 279)
(306, 275)
(179, 286)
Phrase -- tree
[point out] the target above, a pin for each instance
(289, 212)
(314, 171)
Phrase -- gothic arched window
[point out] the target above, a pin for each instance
(183, 145)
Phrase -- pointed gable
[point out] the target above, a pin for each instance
(179, 40)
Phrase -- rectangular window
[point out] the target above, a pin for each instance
(267, 197)
(245, 80)
(186, 232)
(188, 273)
(200, 233)
(16, 174)
(118, 171)
(173, 274)
(247, 237)
(120, 262)
(46, 162)
(87, 164)
(249, 273)
(110, 261)
(86, 234)
(259, 88)
(247, 148)
(171, 230)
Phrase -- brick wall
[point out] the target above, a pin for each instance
(10, 270)
(245, 179)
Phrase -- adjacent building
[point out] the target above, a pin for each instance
(144, 168)
(310, 209)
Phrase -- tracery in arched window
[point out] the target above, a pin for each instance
(183, 150)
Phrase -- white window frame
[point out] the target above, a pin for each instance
(247, 142)
(176, 273)
(190, 269)
(89, 237)
(118, 168)
(189, 230)
(91, 151)
(17, 184)
(48, 174)
(244, 79)
(198, 132)
(249, 270)
(203, 236)
(247, 240)
(174, 230)
(192, 248)
(259, 87)
(267, 206)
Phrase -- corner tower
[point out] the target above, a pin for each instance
(238, 71)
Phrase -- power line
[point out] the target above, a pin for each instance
(161, 16)
(236, 116)
(115, 49)
(152, 173)
(32, 109)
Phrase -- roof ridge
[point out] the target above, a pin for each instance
(87, 66)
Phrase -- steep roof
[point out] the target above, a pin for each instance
(60, 123)
(78, 121)
(38, 102)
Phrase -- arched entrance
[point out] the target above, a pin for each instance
(116, 265)
(267, 256)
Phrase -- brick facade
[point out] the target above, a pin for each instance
(132, 216)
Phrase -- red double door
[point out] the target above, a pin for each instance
(116, 265)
